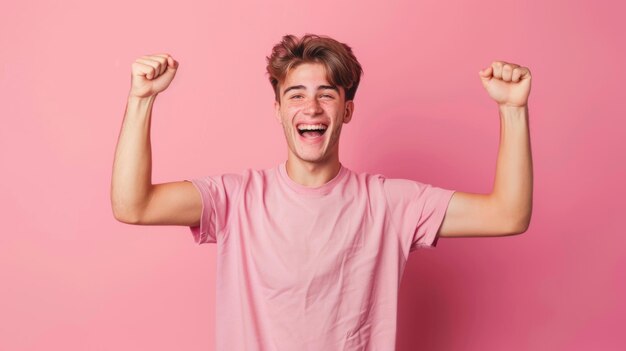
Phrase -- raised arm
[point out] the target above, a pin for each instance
(507, 210)
(131, 181)
(134, 199)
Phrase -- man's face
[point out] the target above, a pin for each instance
(308, 100)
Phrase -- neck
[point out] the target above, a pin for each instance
(312, 174)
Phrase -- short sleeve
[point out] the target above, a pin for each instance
(218, 193)
(417, 210)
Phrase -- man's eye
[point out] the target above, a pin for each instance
(300, 96)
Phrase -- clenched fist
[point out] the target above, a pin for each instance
(152, 74)
(507, 83)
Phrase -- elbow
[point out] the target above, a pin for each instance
(124, 212)
(516, 216)
(518, 230)
(124, 219)
(520, 225)
(124, 216)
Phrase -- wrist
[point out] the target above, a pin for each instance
(508, 110)
(136, 98)
(141, 102)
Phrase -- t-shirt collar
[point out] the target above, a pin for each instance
(306, 190)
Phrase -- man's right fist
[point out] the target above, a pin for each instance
(152, 74)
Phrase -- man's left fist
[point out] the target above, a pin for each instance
(507, 83)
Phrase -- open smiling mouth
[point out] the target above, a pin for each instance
(312, 132)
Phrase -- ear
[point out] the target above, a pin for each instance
(277, 111)
(348, 111)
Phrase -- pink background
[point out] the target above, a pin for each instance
(73, 278)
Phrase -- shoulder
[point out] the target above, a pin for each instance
(387, 184)
(398, 192)
(365, 177)
(249, 178)
(378, 186)
(228, 180)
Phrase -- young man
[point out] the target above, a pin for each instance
(310, 253)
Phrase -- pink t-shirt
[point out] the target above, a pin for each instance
(302, 268)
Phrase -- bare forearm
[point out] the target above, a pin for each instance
(132, 167)
(513, 186)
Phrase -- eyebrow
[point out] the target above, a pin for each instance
(333, 87)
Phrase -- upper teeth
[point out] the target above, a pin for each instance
(311, 126)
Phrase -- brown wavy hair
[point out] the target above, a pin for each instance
(342, 67)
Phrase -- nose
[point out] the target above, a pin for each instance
(313, 107)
